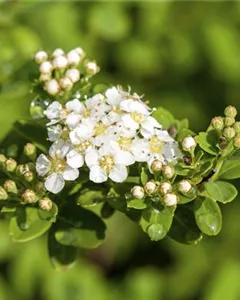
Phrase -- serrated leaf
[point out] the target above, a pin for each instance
(136, 204)
(221, 191)
(208, 141)
(164, 117)
(27, 225)
(230, 169)
(208, 215)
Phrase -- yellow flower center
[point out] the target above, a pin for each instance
(100, 129)
(83, 146)
(125, 143)
(86, 113)
(155, 144)
(116, 109)
(58, 165)
(107, 163)
(65, 133)
(137, 117)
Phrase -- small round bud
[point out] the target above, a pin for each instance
(73, 58)
(168, 172)
(3, 194)
(228, 133)
(21, 170)
(65, 83)
(184, 186)
(92, 68)
(189, 143)
(165, 188)
(10, 187)
(40, 188)
(29, 196)
(57, 52)
(236, 142)
(229, 121)
(236, 127)
(46, 67)
(60, 62)
(230, 111)
(2, 159)
(29, 176)
(156, 166)
(45, 77)
(45, 204)
(52, 87)
(73, 75)
(40, 57)
(79, 51)
(217, 123)
(137, 192)
(170, 199)
(30, 150)
(150, 187)
(10, 165)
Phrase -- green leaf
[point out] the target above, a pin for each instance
(208, 215)
(90, 197)
(185, 199)
(221, 191)
(34, 133)
(107, 211)
(184, 228)
(27, 225)
(136, 204)
(208, 141)
(230, 169)
(156, 221)
(49, 215)
(80, 228)
(164, 117)
(144, 175)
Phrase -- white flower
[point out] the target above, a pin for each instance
(73, 75)
(56, 167)
(52, 87)
(53, 112)
(60, 62)
(58, 52)
(54, 132)
(83, 132)
(106, 162)
(40, 57)
(45, 67)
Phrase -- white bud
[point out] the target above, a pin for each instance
(79, 51)
(45, 204)
(60, 62)
(156, 165)
(45, 67)
(52, 87)
(73, 74)
(65, 83)
(150, 187)
(40, 57)
(45, 77)
(168, 171)
(170, 199)
(189, 143)
(73, 58)
(92, 67)
(137, 192)
(165, 188)
(184, 186)
(58, 52)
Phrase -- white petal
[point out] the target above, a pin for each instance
(124, 157)
(70, 173)
(54, 183)
(164, 136)
(75, 105)
(97, 174)
(119, 173)
(75, 159)
(134, 106)
(91, 158)
(59, 149)
(129, 122)
(140, 150)
(54, 132)
(94, 101)
(43, 165)
(113, 96)
(72, 120)
(54, 110)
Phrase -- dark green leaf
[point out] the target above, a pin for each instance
(107, 211)
(90, 197)
(208, 141)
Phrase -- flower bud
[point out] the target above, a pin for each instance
(236, 142)
(189, 144)
(65, 83)
(40, 57)
(137, 192)
(229, 121)
(230, 111)
(165, 188)
(45, 204)
(156, 166)
(30, 151)
(217, 123)
(92, 68)
(60, 62)
(73, 75)
(57, 52)
(45, 77)
(52, 87)
(29, 196)
(2, 159)
(184, 186)
(79, 51)
(46, 67)
(168, 171)
(236, 127)
(228, 133)
(40, 188)
(21, 170)
(10, 187)
(73, 57)
(29, 176)
(3, 194)
(10, 165)
(170, 199)
(150, 187)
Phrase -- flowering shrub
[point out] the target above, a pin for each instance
(95, 148)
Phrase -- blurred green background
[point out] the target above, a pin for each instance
(184, 56)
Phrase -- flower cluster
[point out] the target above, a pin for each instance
(105, 133)
(59, 71)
